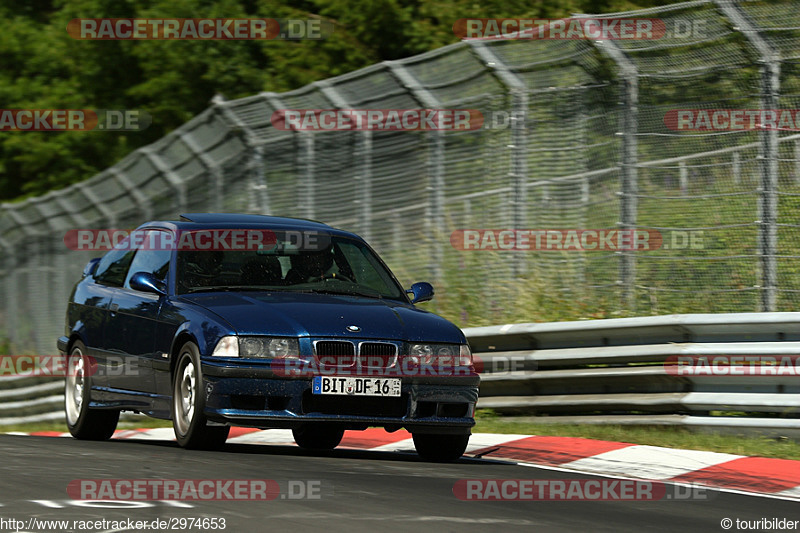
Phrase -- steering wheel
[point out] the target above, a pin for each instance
(335, 275)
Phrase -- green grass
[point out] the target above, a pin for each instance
(665, 436)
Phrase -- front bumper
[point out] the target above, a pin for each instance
(254, 396)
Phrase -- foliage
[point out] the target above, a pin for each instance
(173, 81)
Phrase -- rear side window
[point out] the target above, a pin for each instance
(113, 267)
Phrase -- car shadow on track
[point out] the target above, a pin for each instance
(294, 451)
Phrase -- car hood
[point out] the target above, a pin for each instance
(326, 315)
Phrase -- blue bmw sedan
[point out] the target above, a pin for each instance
(220, 320)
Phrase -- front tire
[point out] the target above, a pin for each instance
(440, 448)
(188, 403)
(85, 423)
(317, 437)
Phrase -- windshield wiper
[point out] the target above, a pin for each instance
(349, 293)
(231, 288)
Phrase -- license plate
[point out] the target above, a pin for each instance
(356, 386)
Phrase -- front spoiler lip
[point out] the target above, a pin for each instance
(247, 418)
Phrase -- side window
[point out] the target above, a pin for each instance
(155, 262)
(113, 267)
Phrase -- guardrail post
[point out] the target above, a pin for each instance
(767, 153)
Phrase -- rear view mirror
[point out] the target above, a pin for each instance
(422, 291)
(147, 282)
(90, 267)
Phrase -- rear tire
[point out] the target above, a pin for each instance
(440, 448)
(188, 403)
(85, 423)
(317, 437)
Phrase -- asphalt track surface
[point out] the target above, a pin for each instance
(366, 491)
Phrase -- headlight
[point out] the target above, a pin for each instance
(442, 354)
(253, 347)
(269, 347)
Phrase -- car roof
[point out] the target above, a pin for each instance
(193, 221)
(238, 218)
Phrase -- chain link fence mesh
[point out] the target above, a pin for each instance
(575, 137)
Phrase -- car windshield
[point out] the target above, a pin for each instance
(333, 265)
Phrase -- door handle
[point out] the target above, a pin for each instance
(113, 308)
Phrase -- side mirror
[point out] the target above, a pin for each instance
(422, 291)
(90, 267)
(147, 282)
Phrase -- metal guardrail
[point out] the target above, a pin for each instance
(598, 371)
(616, 371)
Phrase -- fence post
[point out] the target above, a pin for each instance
(629, 164)
(138, 196)
(259, 198)
(259, 180)
(769, 184)
(797, 162)
(305, 163)
(10, 275)
(214, 168)
(683, 178)
(177, 184)
(518, 171)
(363, 153)
(363, 156)
(436, 160)
(767, 153)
